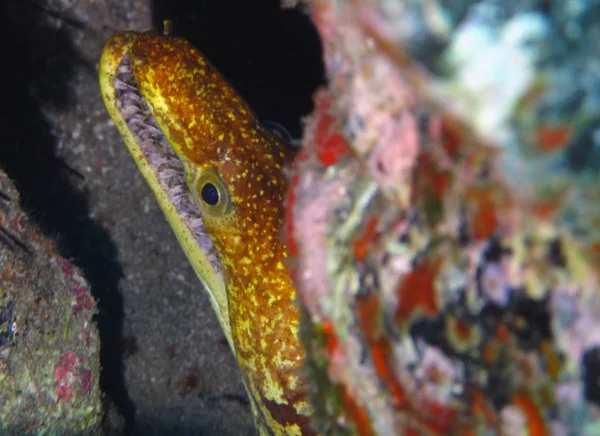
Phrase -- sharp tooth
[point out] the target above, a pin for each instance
(132, 98)
(154, 130)
(159, 154)
(171, 172)
(145, 136)
(124, 68)
(119, 84)
(147, 149)
(137, 122)
(129, 111)
(151, 121)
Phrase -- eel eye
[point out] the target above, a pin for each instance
(211, 193)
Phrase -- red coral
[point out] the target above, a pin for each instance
(65, 377)
(425, 300)
(86, 381)
(358, 415)
(485, 218)
(63, 393)
(369, 315)
(83, 300)
(535, 420)
(551, 138)
(361, 245)
(330, 143)
(66, 267)
(67, 373)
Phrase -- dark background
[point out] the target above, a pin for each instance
(271, 55)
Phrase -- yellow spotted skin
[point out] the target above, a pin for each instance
(211, 127)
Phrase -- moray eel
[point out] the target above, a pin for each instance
(218, 177)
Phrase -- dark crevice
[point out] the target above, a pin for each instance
(272, 56)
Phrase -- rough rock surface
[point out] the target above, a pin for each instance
(443, 218)
(49, 344)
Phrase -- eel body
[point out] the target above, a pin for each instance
(217, 175)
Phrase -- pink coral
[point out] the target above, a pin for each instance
(83, 299)
(69, 372)
(64, 376)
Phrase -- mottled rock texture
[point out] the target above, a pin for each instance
(443, 218)
(49, 344)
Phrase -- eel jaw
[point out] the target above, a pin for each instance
(161, 168)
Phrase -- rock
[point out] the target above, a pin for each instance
(49, 345)
(443, 219)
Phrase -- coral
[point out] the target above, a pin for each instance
(443, 221)
(49, 346)
(68, 372)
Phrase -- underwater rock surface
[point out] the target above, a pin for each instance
(444, 218)
(49, 345)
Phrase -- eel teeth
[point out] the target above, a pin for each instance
(161, 157)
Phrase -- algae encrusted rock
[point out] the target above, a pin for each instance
(444, 219)
(49, 344)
